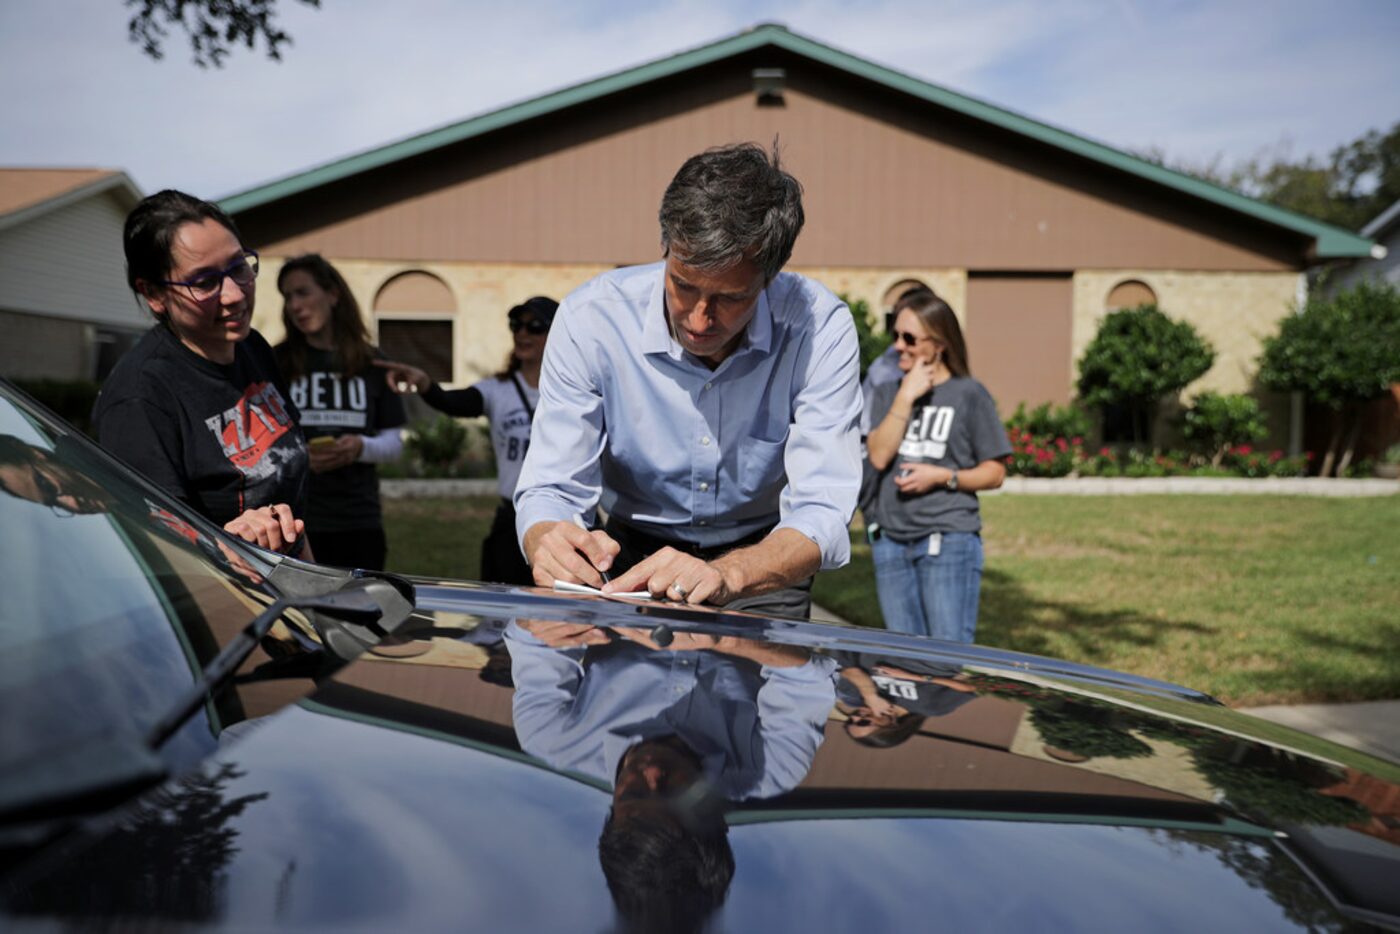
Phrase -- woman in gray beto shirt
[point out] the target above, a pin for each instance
(937, 441)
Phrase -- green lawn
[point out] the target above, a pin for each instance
(1252, 599)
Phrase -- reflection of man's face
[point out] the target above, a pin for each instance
(650, 773)
(50, 484)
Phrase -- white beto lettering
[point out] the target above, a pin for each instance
(359, 400)
(318, 390)
(299, 392)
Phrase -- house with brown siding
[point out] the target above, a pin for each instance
(65, 310)
(1030, 232)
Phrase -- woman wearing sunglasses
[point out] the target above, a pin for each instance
(937, 441)
(508, 400)
(198, 405)
(351, 420)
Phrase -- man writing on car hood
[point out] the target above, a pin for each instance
(711, 403)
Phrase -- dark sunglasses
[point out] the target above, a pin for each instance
(907, 339)
(529, 325)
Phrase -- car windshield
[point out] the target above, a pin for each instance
(114, 597)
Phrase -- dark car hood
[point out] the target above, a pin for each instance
(1034, 794)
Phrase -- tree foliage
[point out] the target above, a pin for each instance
(1138, 357)
(214, 27)
(1340, 351)
(1349, 187)
(871, 343)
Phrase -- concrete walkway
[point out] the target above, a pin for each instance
(1035, 486)
(1217, 486)
(1373, 726)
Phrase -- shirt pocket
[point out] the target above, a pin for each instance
(761, 465)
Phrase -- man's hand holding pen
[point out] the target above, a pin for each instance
(565, 551)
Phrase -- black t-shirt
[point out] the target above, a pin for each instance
(222, 438)
(334, 404)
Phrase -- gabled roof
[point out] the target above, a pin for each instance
(1381, 224)
(26, 193)
(1329, 242)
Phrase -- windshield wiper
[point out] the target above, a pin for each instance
(356, 606)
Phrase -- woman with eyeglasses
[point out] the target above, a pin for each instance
(350, 418)
(198, 405)
(508, 400)
(937, 442)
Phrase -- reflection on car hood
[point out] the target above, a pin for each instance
(854, 778)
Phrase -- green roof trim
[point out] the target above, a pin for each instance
(1330, 242)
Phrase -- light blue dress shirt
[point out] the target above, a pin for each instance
(628, 418)
(754, 728)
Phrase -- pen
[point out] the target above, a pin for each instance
(578, 521)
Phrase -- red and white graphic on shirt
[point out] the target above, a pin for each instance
(248, 430)
(173, 523)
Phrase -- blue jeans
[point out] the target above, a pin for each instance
(930, 595)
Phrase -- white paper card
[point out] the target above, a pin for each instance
(567, 587)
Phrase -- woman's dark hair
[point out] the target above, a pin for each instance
(942, 325)
(150, 232)
(353, 349)
(540, 307)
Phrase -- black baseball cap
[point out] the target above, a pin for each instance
(538, 307)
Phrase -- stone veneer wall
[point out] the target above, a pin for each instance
(872, 284)
(1234, 311)
(483, 293)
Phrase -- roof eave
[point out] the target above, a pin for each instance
(116, 180)
(1328, 242)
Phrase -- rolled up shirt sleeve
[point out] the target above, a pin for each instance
(822, 455)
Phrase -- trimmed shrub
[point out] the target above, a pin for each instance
(1214, 423)
(1138, 357)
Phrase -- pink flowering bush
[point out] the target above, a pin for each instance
(1037, 455)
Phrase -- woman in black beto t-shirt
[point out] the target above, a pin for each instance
(937, 441)
(198, 405)
(350, 417)
(508, 399)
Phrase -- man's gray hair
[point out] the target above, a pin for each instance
(729, 204)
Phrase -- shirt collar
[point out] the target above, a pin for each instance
(656, 330)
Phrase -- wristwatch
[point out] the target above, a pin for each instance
(952, 483)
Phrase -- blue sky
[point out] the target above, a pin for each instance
(1199, 80)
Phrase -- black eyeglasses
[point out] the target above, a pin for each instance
(50, 496)
(529, 325)
(242, 271)
(907, 339)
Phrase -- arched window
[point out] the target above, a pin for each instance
(414, 314)
(893, 294)
(1130, 293)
